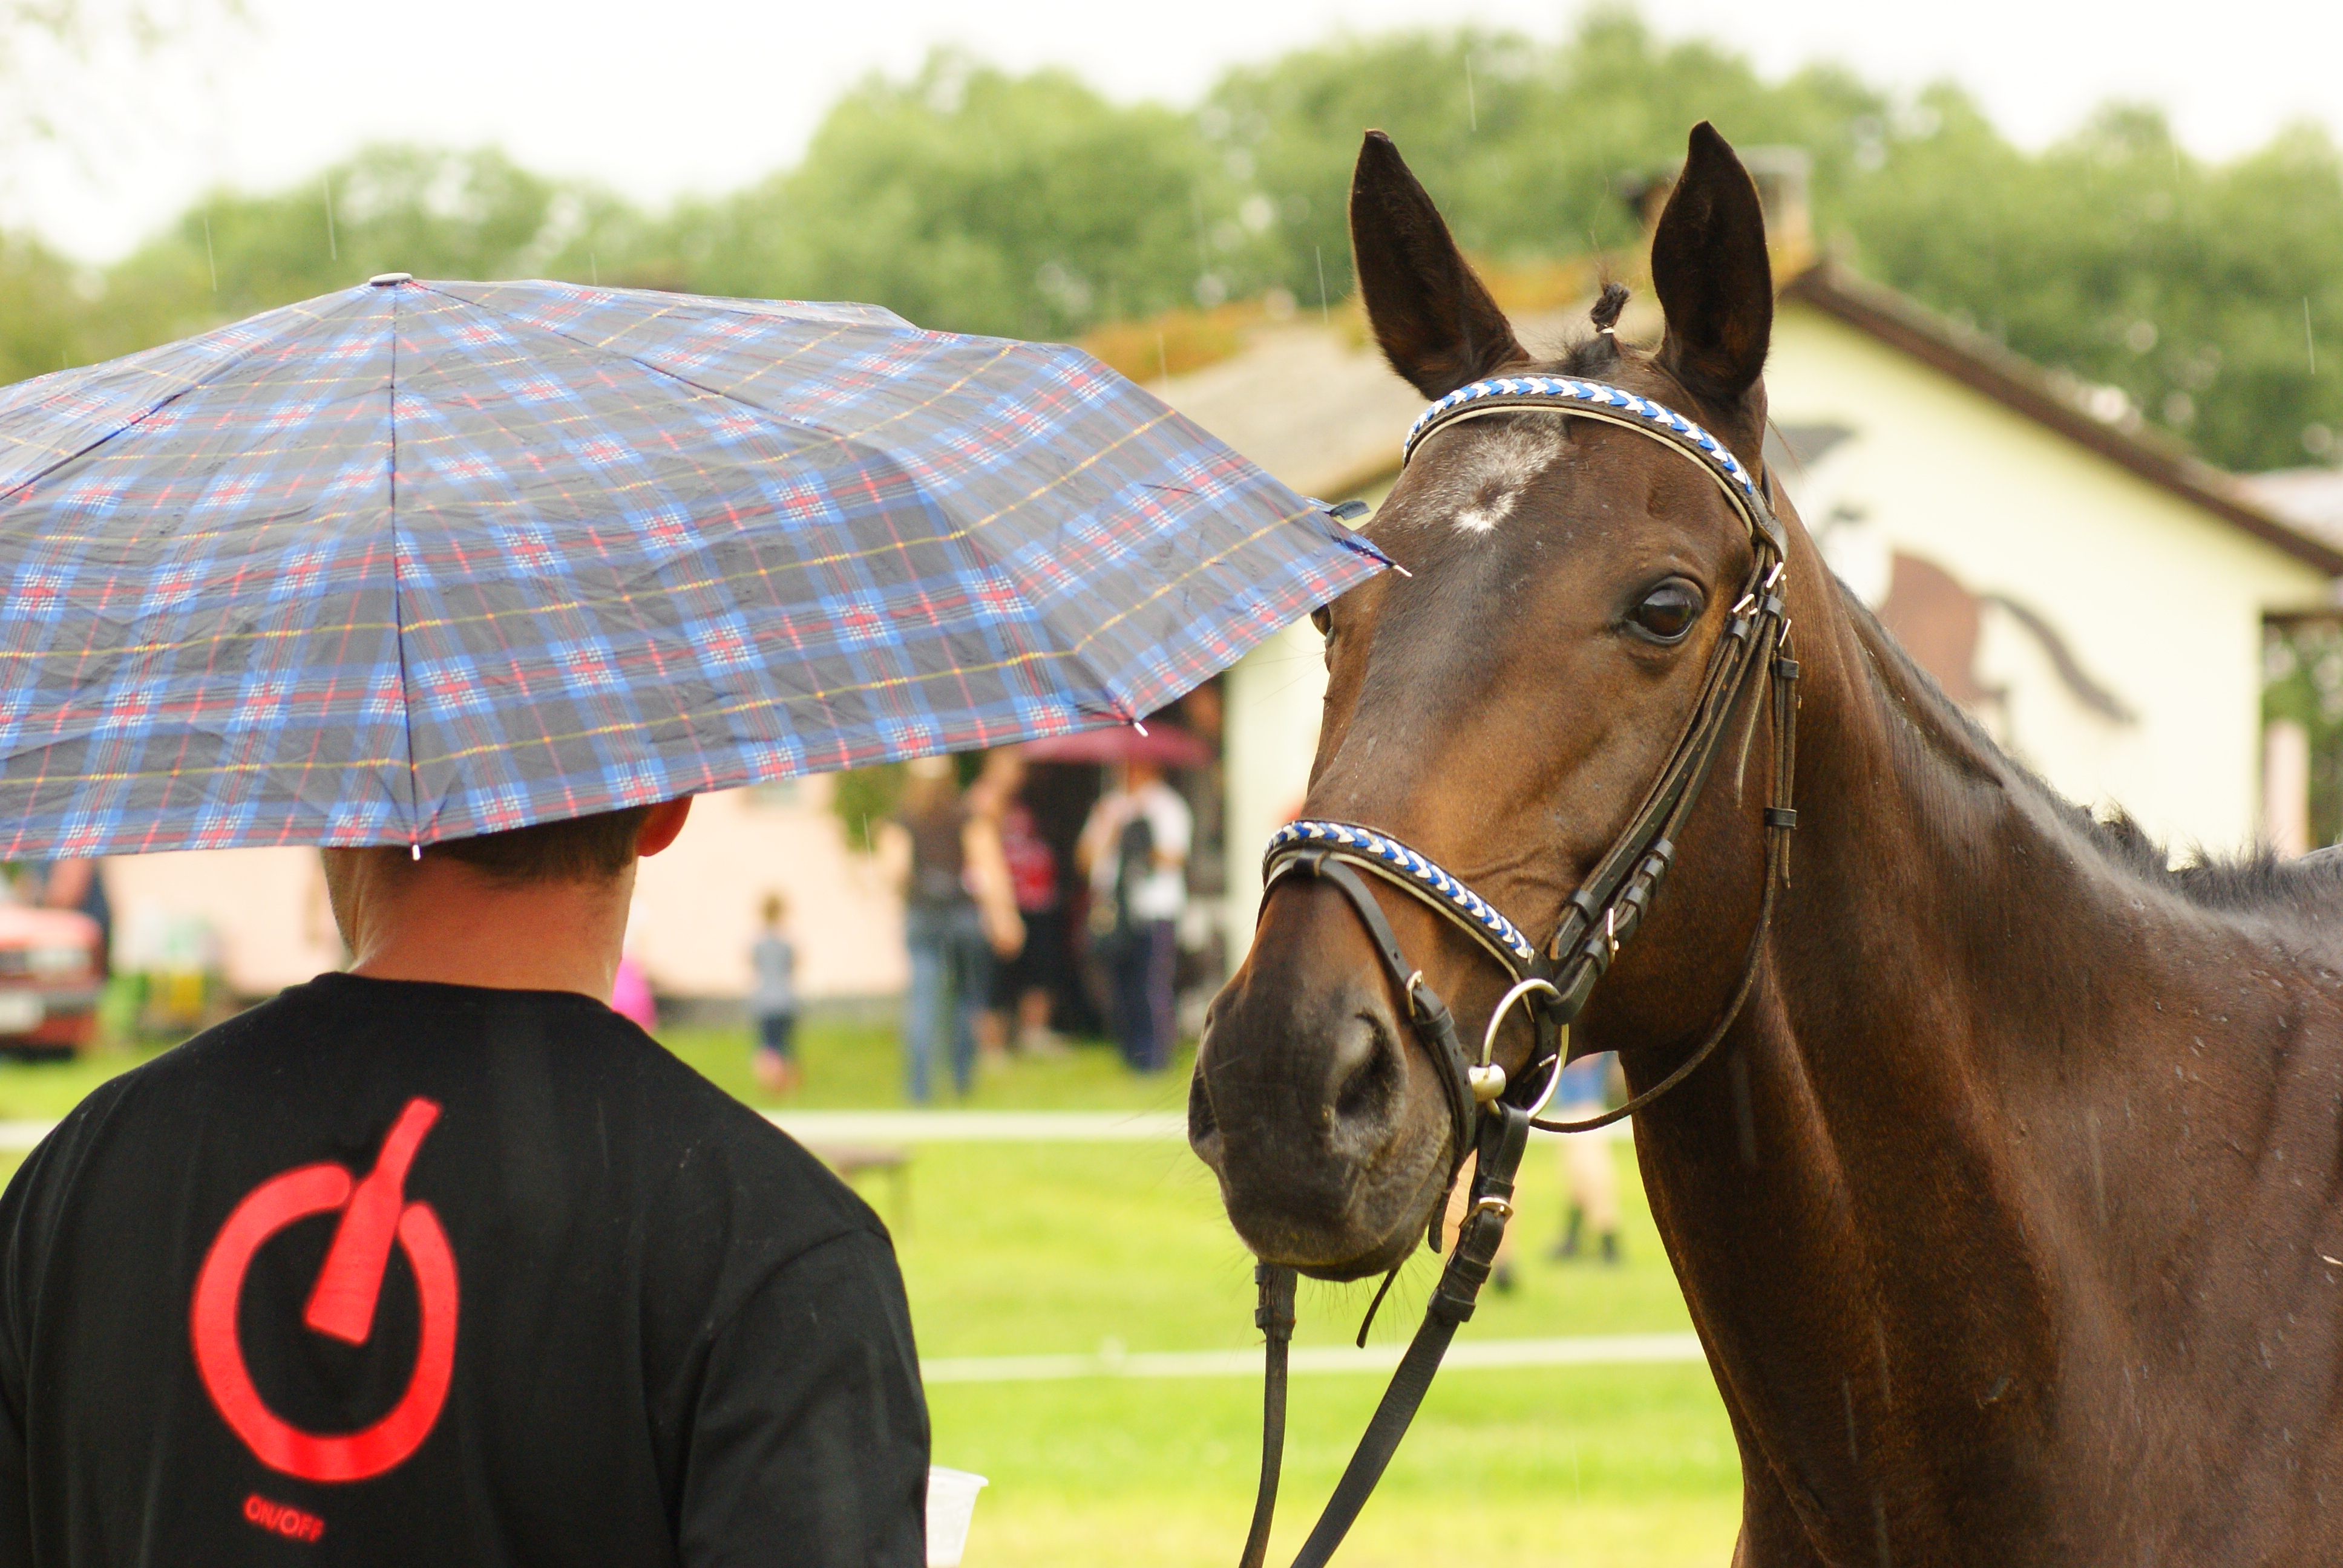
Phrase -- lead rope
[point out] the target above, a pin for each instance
(1275, 1317)
(1504, 1132)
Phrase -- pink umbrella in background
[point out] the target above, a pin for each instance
(1165, 745)
(631, 993)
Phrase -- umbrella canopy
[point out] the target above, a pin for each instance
(1165, 745)
(421, 560)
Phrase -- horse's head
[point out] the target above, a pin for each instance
(1503, 710)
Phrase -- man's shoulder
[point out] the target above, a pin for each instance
(523, 1080)
(576, 1063)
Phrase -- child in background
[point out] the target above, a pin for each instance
(773, 1004)
(1588, 1176)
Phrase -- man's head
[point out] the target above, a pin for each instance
(538, 901)
(575, 850)
(1140, 772)
(775, 907)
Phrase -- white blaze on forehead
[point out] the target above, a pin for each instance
(1493, 510)
(1485, 469)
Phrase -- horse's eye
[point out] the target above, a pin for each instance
(1324, 620)
(1667, 612)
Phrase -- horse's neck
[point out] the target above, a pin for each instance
(1920, 1152)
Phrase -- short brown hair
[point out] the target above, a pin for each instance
(575, 850)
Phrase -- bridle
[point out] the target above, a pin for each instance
(1490, 1117)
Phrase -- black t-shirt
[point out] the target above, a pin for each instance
(397, 1273)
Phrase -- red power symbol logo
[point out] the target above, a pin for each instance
(373, 1212)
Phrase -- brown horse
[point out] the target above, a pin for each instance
(2007, 1212)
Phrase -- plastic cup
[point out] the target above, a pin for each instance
(951, 1499)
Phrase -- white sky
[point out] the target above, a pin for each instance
(706, 95)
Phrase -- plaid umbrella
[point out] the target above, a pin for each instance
(421, 560)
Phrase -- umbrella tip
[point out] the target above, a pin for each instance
(384, 279)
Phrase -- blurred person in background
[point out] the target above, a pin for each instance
(1502, 1278)
(1590, 1181)
(80, 886)
(1025, 982)
(773, 1003)
(630, 994)
(1134, 849)
(958, 914)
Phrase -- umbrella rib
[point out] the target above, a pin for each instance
(967, 532)
(791, 421)
(16, 491)
(1079, 653)
(857, 439)
(398, 601)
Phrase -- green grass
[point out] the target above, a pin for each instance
(1058, 1248)
(1580, 1466)
(857, 1065)
(1064, 1247)
(848, 1063)
(1031, 1249)
(44, 1090)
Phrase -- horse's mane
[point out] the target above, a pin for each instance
(2256, 881)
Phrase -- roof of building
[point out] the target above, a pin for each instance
(2310, 498)
(2025, 387)
(1318, 407)
(1315, 405)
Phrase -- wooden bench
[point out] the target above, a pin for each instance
(850, 1160)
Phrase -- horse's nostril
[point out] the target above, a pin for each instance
(1369, 1077)
(1202, 1123)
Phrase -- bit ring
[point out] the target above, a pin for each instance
(1488, 1077)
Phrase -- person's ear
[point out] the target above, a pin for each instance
(661, 824)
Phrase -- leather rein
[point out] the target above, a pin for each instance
(1490, 1117)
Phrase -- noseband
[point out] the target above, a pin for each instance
(1553, 981)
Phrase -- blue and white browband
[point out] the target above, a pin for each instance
(1404, 867)
(1613, 405)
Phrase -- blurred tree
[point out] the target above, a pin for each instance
(2202, 292)
(43, 299)
(2302, 671)
(435, 214)
(1526, 147)
(972, 200)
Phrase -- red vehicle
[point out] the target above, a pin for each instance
(51, 971)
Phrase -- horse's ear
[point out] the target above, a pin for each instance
(1434, 318)
(1710, 271)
